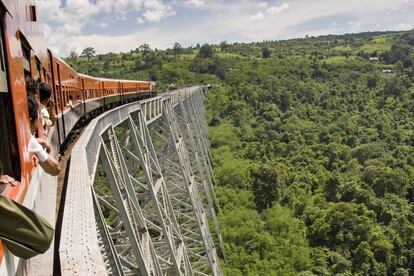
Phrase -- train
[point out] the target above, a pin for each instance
(77, 97)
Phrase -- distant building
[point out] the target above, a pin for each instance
(374, 59)
(386, 70)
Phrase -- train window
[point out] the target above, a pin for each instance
(59, 88)
(65, 95)
(31, 13)
(26, 61)
(58, 104)
(45, 75)
(38, 69)
(9, 155)
(3, 75)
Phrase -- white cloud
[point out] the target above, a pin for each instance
(404, 27)
(271, 10)
(262, 5)
(354, 26)
(156, 37)
(68, 20)
(76, 14)
(277, 9)
(156, 10)
(195, 3)
(103, 24)
(257, 16)
(231, 20)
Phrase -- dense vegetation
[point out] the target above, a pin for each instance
(313, 147)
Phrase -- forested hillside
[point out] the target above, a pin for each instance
(313, 147)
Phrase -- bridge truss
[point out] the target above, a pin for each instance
(140, 198)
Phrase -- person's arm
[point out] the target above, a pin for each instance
(5, 179)
(51, 109)
(70, 104)
(49, 164)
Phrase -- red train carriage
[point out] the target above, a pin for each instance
(23, 54)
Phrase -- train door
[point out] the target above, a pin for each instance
(9, 153)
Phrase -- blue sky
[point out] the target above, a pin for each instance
(121, 25)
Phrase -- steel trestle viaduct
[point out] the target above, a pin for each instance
(140, 197)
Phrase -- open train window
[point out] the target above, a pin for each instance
(58, 104)
(45, 77)
(3, 74)
(38, 70)
(26, 61)
(9, 154)
(31, 13)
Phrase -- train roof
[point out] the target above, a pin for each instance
(107, 79)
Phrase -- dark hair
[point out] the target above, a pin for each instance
(32, 105)
(44, 91)
(31, 86)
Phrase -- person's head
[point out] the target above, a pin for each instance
(71, 97)
(33, 113)
(31, 86)
(45, 92)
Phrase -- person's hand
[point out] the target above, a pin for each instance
(5, 179)
(44, 144)
(50, 104)
(35, 161)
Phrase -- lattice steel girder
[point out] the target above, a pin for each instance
(177, 187)
(192, 189)
(149, 163)
(105, 238)
(198, 147)
(110, 171)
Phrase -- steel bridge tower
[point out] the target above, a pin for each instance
(140, 198)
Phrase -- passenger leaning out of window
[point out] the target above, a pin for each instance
(70, 102)
(48, 114)
(38, 146)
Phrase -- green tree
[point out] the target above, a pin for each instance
(224, 46)
(372, 82)
(106, 66)
(177, 49)
(73, 56)
(285, 101)
(88, 52)
(206, 51)
(144, 48)
(266, 52)
(408, 62)
(394, 87)
(267, 185)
